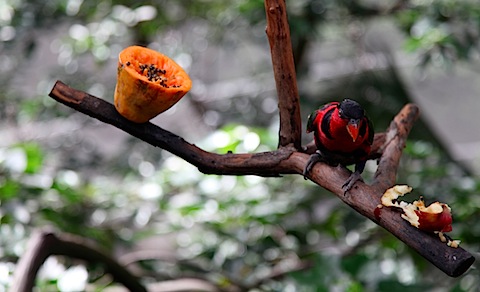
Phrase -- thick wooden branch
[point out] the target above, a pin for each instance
(286, 160)
(43, 244)
(278, 33)
(262, 164)
(365, 199)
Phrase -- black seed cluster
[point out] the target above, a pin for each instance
(154, 74)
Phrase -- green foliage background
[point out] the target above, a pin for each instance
(236, 232)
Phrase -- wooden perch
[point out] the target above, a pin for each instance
(270, 163)
(45, 243)
(289, 158)
(285, 160)
(278, 33)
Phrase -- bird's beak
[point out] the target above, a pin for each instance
(352, 128)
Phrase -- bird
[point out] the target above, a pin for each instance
(343, 135)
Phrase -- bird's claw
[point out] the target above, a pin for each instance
(314, 158)
(354, 177)
(317, 157)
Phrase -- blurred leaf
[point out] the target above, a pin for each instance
(355, 287)
(324, 273)
(34, 155)
(9, 189)
(412, 44)
(354, 263)
(6, 219)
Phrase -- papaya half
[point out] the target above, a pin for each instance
(148, 83)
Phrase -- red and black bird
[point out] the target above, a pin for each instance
(343, 135)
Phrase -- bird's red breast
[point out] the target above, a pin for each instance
(331, 132)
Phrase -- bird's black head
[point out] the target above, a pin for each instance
(350, 109)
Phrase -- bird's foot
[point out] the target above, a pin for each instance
(314, 158)
(354, 177)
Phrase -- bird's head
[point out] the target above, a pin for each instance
(351, 111)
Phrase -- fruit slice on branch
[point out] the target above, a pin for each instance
(436, 217)
(148, 83)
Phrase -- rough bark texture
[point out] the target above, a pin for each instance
(278, 33)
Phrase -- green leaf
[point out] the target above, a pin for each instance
(34, 157)
(9, 189)
(355, 287)
(412, 44)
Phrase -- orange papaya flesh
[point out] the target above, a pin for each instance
(148, 83)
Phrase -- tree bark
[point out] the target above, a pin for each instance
(278, 33)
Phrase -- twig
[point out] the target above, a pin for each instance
(395, 139)
(43, 244)
(184, 284)
(278, 33)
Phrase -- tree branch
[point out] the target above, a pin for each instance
(395, 140)
(43, 244)
(278, 33)
(270, 163)
(262, 164)
(362, 197)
